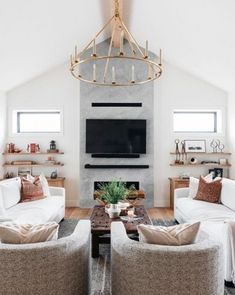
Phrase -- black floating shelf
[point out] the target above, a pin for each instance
(115, 156)
(89, 166)
(116, 104)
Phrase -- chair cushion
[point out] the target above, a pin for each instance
(31, 190)
(10, 193)
(209, 191)
(176, 235)
(228, 193)
(13, 233)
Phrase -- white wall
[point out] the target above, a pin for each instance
(231, 128)
(54, 90)
(177, 89)
(2, 129)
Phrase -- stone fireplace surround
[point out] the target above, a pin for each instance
(142, 97)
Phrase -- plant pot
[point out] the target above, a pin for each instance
(114, 211)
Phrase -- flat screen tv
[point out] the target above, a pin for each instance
(108, 136)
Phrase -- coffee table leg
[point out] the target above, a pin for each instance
(95, 246)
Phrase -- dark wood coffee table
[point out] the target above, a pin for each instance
(101, 224)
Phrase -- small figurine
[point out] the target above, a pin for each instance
(54, 174)
(214, 145)
(177, 152)
(52, 145)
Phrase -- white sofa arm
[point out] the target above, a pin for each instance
(57, 191)
(181, 192)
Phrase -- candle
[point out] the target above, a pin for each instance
(133, 74)
(146, 49)
(71, 60)
(160, 57)
(131, 213)
(121, 42)
(76, 53)
(113, 75)
(149, 72)
(94, 72)
(94, 48)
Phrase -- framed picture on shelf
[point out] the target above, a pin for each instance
(195, 146)
(23, 172)
(216, 172)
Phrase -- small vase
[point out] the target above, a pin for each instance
(114, 211)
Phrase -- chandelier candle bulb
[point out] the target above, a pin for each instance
(133, 74)
(160, 57)
(71, 60)
(113, 75)
(149, 72)
(94, 72)
(121, 42)
(76, 53)
(146, 49)
(94, 48)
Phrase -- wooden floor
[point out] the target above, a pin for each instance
(79, 213)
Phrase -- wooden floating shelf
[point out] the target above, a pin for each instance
(33, 165)
(212, 154)
(201, 165)
(32, 154)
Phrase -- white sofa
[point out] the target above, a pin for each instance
(36, 212)
(213, 217)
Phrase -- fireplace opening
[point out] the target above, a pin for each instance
(128, 184)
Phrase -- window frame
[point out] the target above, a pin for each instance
(216, 121)
(16, 121)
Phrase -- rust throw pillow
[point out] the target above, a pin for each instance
(209, 191)
(31, 190)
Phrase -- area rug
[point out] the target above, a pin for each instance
(100, 279)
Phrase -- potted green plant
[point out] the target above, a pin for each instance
(113, 192)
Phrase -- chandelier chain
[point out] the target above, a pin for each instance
(116, 3)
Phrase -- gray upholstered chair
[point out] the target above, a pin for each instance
(140, 268)
(50, 268)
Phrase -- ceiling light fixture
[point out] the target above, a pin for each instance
(105, 69)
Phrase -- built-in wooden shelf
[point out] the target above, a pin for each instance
(212, 154)
(33, 165)
(202, 165)
(32, 154)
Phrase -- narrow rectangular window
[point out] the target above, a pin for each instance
(195, 121)
(38, 121)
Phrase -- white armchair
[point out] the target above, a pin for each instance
(140, 268)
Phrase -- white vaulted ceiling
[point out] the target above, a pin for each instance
(195, 35)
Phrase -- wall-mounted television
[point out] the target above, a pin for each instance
(115, 136)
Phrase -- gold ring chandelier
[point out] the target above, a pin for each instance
(103, 69)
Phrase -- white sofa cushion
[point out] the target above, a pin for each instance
(228, 193)
(2, 208)
(45, 186)
(200, 210)
(36, 212)
(10, 193)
